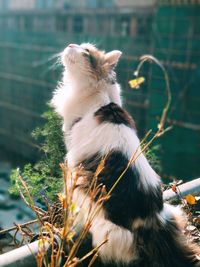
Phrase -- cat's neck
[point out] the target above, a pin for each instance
(83, 98)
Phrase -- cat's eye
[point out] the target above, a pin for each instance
(86, 52)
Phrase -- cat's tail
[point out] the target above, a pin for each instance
(161, 242)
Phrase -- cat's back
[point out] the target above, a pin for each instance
(109, 127)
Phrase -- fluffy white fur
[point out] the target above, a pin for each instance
(119, 247)
(71, 103)
(83, 142)
(81, 97)
(78, 96)
(80, 93)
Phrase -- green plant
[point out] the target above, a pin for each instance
(153, 156)
(44, 178)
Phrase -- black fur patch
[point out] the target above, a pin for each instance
(93, 61)
(114, 114)
(156, 244)
(128, 201)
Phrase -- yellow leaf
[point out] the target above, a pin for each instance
(71, 235)
(136, 82)
(174, 188)
(73, 207)
(190, 199)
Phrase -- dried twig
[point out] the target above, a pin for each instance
(16, 226)
(161, 125)
(151, 58)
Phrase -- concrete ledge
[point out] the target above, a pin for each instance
(23, 256)
(191, 187)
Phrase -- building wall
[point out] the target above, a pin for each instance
(61, 3)
(132, 3)
(21, 4)
(4, 4)
(58, 4)
(86, 3)
(49, 3)
(34, 4)
(78, 3)
(108, 23)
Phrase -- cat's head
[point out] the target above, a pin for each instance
(85, 61)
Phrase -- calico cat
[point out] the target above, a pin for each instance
(142, 231)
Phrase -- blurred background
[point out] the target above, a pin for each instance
(32, 32)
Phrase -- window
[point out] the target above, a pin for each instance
(125, 26)
(143, 27)
(39, 4)
(28, 23)
(61, 23)
(78, 25)
(50, 3)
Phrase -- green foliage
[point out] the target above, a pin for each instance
(44, 178)
(153, 157)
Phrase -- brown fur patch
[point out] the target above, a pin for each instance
(114, 114)
(97, 62)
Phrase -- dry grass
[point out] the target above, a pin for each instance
(58, 224)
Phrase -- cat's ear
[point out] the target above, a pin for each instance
(112, 58)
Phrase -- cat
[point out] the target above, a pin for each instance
(142, 231)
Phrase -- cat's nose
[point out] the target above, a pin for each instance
(72, 45)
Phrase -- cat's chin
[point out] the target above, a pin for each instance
(68, 57)
(68, 61)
